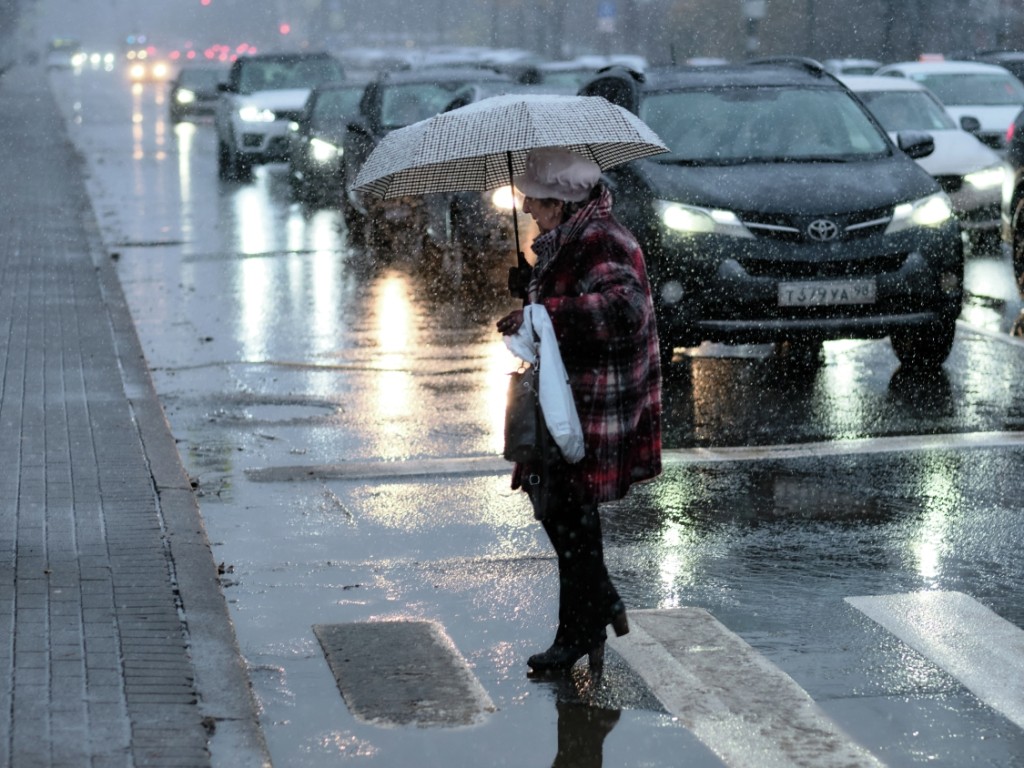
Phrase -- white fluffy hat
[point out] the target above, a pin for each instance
(555, 172)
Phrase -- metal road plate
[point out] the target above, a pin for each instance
(826, 293)
(403, 673)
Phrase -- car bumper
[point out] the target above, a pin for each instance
(738, 296)
(262, 142)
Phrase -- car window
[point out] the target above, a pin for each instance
(974, 89)
(408, 103)
(201, 78)
(730, 125)
(288, 73)
(333, 107)
(907, 111)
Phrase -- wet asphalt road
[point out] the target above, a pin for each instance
(274, 343)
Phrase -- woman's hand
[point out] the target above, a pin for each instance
(510, 323)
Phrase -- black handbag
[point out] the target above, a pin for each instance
(524, 421)
(527, 439)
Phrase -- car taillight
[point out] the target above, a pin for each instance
(1010, 131)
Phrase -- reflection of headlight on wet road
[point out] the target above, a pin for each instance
(323, 151)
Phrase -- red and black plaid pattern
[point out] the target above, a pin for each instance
(595, 288)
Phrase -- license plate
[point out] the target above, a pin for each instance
(826, 293)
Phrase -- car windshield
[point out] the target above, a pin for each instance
(734, 125)
(974, 89)
(334, 107)
(907, 111)
(408, 103)
(274, 74)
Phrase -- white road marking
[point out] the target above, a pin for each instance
(735, 701)
(495, 465)
(957, 633)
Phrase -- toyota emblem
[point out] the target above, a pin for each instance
(823, 230)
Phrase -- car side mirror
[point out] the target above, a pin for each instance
(970, 124)
(915, 144)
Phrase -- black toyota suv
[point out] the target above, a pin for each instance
(1013, 197)
(784, 213)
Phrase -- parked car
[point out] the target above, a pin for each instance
(394, 100)
(982, 98)
(193, 91)
(851, 66)
(1013, 197)
(785, 213)
(1012, 61)
(970, 172)
(265, 92)
(316, 168)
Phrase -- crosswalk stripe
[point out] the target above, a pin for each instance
(489, 465)
(731, 698)
(957, 633)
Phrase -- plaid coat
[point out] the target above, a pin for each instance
(591, 277)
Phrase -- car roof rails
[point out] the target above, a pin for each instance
(813, 66)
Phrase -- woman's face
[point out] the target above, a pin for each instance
(547, 214)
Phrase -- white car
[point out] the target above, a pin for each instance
(970, 172)
(264, 94)
(841, 67)
(969, 89)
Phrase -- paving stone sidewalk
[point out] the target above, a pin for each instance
(116, 647)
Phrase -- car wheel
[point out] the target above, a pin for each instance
(926, 347)
(666, 351)
(224, 164)
(230, 165)
(1017, 246)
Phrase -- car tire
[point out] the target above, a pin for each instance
(1017, 248)
(666, 351)
(926, 347)
(230, 165)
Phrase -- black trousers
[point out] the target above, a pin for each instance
(586, 594)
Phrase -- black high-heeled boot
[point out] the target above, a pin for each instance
(561, 658)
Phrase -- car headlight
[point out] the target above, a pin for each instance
(160, 69)
(185, 96)
(932, 211)
(323, 151)
(688, 220)
(503, 199)
(252, 114)
(986, 178)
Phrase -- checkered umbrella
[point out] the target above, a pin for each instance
(479, 146)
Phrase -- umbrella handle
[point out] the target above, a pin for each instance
(519, 275)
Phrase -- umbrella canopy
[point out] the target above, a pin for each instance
(478, 147)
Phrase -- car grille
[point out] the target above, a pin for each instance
(802, 269)
(794, 228)
(292, 115)
(995, 140)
